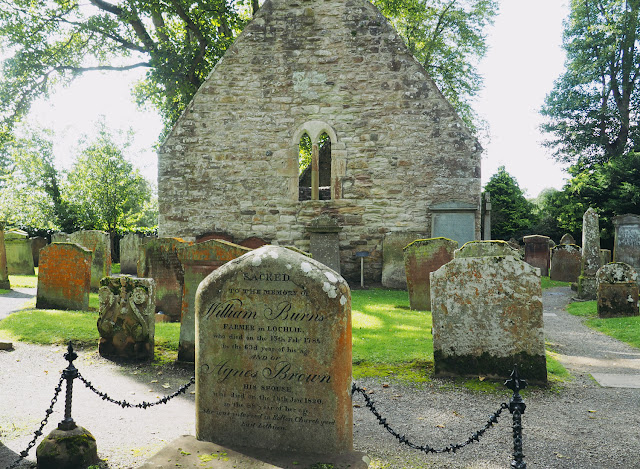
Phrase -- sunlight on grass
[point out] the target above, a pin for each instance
(585, 309)
(24, 281)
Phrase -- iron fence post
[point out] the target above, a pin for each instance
(517, 407)
(69, 374)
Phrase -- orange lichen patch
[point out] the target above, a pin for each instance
(64, 278)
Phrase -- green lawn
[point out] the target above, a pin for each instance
(624, 329)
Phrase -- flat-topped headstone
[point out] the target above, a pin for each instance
(487, 316)
(393, 273)
(422, 257)
(324, 242)
(4, 273)
(617, 290)
(18, 251)
(627, 240)
(127, 318)
(591, 262)
(64, 277)
(487, 248)
(537, 252)
(273, 357)
(454, 220)
(565, 263)
(567, 239)
(129, 253)
(99, 243)
(199, 260)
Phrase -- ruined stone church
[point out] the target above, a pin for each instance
(319, 108)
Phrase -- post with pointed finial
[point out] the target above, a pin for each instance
(69, 374)
(517, 407)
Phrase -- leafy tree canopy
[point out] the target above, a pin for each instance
(511, 213)
(50, 42)
(593, 110)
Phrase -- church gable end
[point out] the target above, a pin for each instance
(336, 71)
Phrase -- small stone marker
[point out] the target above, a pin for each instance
(99, 243)
(537, 253)
(393, 274)
(627, 240)
(273, 358)
(591, 262)
(18, 249)
(199, 260)
(567, 239)
(422, 257)
(487, 316)
(565, 263)
(4, 273)
(126, 322)
(605, 256)
(64, 277)
(324, 242)
(129, 253)
(617, 290)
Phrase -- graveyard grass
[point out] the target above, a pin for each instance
(624, 329)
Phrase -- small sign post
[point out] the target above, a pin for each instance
(362, 255)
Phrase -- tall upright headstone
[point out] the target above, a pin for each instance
(626, 247)
(422, 257)
(617, 290)
(129, 253)
(64, 277)
(273, 356)
(4, 273)
(324, 242)
(537, 252)
(18, 249)
(487, 316)
(393, 274)
(199, 260)
(591, 262)
(99, 243)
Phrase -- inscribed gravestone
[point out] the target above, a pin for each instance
(487, 316)
(64, 277)
(4, 273)
(126, 323)
(617, 290)
(273, 358)
(99, 243)
(37, 243)
(454, 220)
(591, 262)
(18, 249)
(324, 243)
(159, 261)
(422, 257)
(129, 253)
(199, 260)
(565, 263)
(627, 240)
(393, 274)
(537, 253)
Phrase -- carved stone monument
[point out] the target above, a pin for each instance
(422, 257)
(324, 244)
(126, 323)
(537, 253)
(273, 357)
(627, 240)
(617, 290)
(64, 277)
(591, 262)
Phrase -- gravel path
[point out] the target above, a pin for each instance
(581, 425)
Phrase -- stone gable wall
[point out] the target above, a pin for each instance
(230, 163)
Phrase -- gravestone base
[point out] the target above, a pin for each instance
(187, 451)
(618, 300)
(587, 288)
(67, 449)
(533, 368)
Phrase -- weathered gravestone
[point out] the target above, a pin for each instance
(199, 260)
(127, 318)
(487, 248)
(37, 243)
(567, 239)
(537, 253)
(4, 273)
(487, 316)
(60, 237)
(591, 262)
(19, 258)
(64, 277)
(605, 256)
(454, 220)
(129, 253)
(565, 263)
(626, 246)
(617, 290)
(159, 261)
(324, 243)
(273, 358)
(393, 274)
(99, 243)
(422, 257)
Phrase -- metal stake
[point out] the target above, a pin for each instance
(70, 373)
(517, 407)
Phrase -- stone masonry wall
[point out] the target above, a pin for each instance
(231, 162)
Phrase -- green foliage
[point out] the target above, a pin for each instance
(511, 213)
(304, 153)
(592, 113)
(448, 37)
